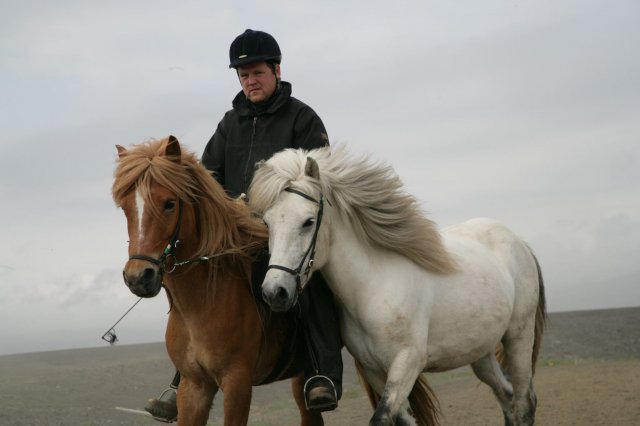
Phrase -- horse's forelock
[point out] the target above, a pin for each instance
(145, 164)
(264, 188)
(271, 178)
(284, 169)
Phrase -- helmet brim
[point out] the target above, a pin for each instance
(253, 59)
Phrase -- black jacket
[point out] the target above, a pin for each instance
(247, 135)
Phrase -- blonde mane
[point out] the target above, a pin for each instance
(222, 223)
(368, 194)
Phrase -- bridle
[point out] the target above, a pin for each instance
(169, 250)
(311, 250)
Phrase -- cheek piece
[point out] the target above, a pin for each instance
(311, 250)
(169, 250)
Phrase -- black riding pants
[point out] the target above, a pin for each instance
(319, 319)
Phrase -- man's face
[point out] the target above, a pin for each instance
(258, 81)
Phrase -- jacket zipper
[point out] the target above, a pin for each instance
(246, 168)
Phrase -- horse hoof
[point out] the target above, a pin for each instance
(382, 420)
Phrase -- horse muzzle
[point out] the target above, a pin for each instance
(143, 282)
(279, 291)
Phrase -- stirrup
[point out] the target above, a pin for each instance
(165, 398)
(330, 403)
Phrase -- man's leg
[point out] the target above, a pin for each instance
(323, 387)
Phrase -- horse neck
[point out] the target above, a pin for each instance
(348, 268)
(187, 290)
(192, 290)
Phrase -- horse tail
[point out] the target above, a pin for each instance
(422, 400)
(373, 396)
(425, 406)
(541, 316)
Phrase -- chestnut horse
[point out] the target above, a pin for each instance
(188, 236)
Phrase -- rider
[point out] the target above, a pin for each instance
(266, 119)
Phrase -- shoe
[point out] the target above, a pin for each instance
(320, 394)
(164, 408)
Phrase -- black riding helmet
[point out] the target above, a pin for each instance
(253, 46)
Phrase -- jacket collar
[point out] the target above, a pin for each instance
(246, 109)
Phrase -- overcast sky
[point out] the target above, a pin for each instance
(525, 111)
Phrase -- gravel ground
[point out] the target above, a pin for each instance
(589, 374)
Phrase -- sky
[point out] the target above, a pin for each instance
(527, 112)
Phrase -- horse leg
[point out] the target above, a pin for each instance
(377, 382)
(307, 417)
(404, 417)
(519, 352)
(194, 402)
(237, 387)
(488, 370)
(403, 372)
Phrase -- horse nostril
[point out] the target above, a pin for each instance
(282, 294)
(148, 275)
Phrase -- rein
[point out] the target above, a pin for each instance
(311, 250)
(213, 256)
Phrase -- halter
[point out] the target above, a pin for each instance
(311, 250)
(168, 250)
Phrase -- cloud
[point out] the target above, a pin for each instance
(524, 112)
(77, 289)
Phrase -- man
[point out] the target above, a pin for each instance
(266, 119)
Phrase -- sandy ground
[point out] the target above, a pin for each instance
(589, 374)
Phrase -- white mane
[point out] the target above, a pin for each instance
(368, 194)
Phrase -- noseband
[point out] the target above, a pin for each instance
(311, 250)
(161, 262)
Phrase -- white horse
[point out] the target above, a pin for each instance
(411, 299)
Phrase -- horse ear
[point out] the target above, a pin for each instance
(121, 150)
(311, 169)
(173, 148)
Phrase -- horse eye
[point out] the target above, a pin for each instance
(169, 205)
(308, 223)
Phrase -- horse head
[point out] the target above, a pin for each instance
(176, 209)
(298, 230)
(154, 213)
